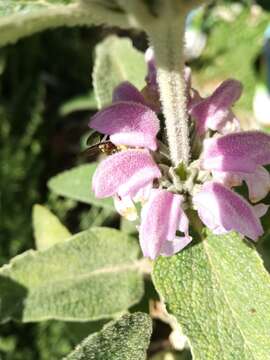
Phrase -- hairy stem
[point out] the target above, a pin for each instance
(168, 45)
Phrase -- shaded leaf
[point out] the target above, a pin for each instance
(76, 184)
(48, 229)
(93, 275)
(79, 103)
(125, 339)
(19, 18)
(219, 292)
(116, 60)
(169, 355)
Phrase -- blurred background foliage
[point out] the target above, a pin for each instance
(45, 104)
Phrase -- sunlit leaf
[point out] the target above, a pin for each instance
(93, 275)
(48, 229)
(219, 292)
(116, 61)
(76, 184)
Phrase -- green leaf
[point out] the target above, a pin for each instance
(76, 184)
(93, 275)
(125, 339)
(219, 292)
(116, 60)
(129, 227)
(2, 63)
(169, 355)
(19, 18)
(48, 230)
(79, 103)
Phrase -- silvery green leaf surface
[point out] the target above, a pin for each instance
(94, 275)
(219, 291)
(116, 61)
(125, 339)
(170, 355)
(76, 184)
(20, 18)
(48, 229)
(79, 103)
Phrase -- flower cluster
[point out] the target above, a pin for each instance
(222, 158)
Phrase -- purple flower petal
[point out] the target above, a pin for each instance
(125, 207)
(237, 152)
(215, 112)
(228, 179)
(258, 184)
(143, 194)
(222, 210)
(124, 173)
(160, 219)
(151, 77)
(128, 123)
(127, 92)
(260, 209)
(170, 248)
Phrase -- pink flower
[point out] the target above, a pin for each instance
(222, 210)
(237, 152)
(161, 217)
(130, 174)
(235, 158)
(128, 123)
(215, 112)
(124, 174)
(258, 182)
(127, 92)
(127, 175)
(151, 77)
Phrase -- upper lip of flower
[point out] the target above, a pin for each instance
(125, 91)
(238, 152)
(214, 112)
(128, 123)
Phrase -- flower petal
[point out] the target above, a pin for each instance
(237, 152)
(125, 207)
(214, 112)
(128, 123)
(222, 210)
(258, 184)
(228, 179)
(260, 209)
(127, 92)
(227, 93)
(124, 173)
(151, 77)
(143, 194)
(160, 218)
(170, 248)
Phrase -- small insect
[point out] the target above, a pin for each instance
(98, 145)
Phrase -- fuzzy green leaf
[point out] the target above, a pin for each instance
(219, 292)
(125, 339)
(168, 355)
(79, 103)
(76, 184)
(116, 61)
(48, 229)
(93, 275)
(19, 18)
